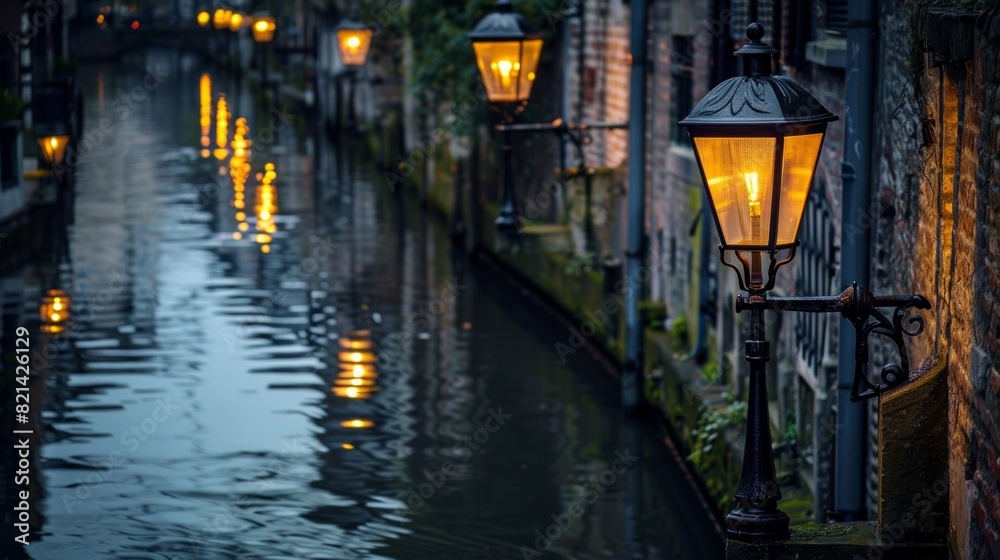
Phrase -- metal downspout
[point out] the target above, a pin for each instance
(632, 371)
(855, 243)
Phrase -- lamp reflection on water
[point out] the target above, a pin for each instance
(357, 377)
(54, 311)
(265, 207)
(239, 171)
(205, 113)
(221, 128)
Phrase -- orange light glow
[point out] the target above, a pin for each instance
(205, 112)
(353, 45)
(54, 147)
(508, 68)
(55, 311)
(263, 29)
(221, 128)
(357, 423)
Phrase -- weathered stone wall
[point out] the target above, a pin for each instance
(605, 78)
(937, 219)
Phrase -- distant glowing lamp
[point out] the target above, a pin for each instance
(263, 29)
(235, 21)
(353, 42)
(54, 147)
(507, 51)
(203, 19)
(220, 18)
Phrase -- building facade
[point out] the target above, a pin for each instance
(933, 217)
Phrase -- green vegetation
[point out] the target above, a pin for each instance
(579, 263)
(11, 106)
(652, 314)
(679, 332)
(709, 453)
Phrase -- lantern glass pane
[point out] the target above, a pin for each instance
(798, 164)
(508, 68)
(54, 147)
(353, 45)
(740, 177)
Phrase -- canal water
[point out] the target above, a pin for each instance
(289, 361)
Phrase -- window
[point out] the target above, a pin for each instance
(836, 15)
(681, 86)
(8, 157)
(746, 12)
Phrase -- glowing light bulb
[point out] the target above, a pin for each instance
(505, 67)
(753, 193)
(353, 42)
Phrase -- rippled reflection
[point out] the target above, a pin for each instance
(205, 113)
(356, 378)
(54, 311)
(221, 128)
(330, 399)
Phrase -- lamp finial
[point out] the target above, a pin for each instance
(756, 54)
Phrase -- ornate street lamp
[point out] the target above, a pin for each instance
(235, 21)
(263, 33)
(221, 17)
(54, 148)
(507, 50)
(757, 139)
(263, 28)
(353, 42)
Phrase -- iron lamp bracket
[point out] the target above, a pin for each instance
(864, 310)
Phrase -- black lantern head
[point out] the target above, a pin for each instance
(507, 52)
(353, 42)
(757, 139)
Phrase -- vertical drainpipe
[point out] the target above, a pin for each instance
(722, 54)
(855, 243)
(632, 374)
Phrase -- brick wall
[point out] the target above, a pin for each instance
(938, 218)
(606, 77)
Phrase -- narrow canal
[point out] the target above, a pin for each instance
(290, 362)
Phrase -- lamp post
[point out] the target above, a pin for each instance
(263, 33)
(353, 43)
(54, 152)
(507, 50)
(757, 140)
